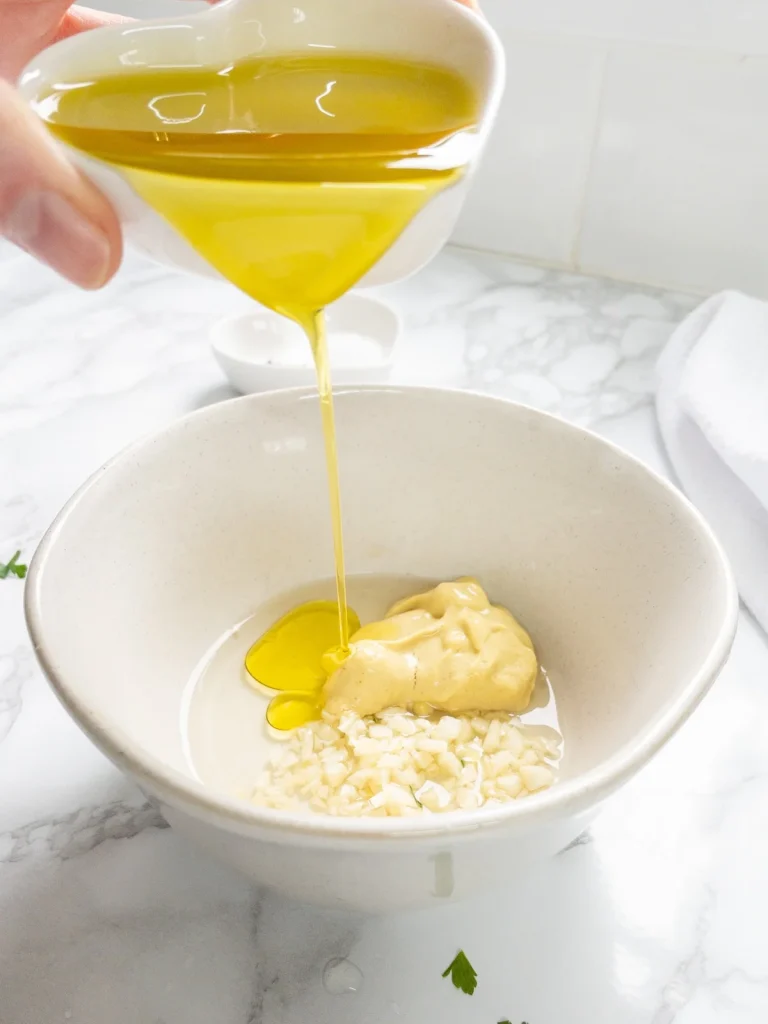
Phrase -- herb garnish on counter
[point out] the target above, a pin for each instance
(14, 567)
(463, 974)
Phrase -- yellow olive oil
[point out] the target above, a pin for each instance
(290, 175)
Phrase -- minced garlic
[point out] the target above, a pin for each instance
(397, 764)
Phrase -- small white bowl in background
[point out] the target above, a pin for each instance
(262, 351)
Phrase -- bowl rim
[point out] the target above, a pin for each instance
(234, 814)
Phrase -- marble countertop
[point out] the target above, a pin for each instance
(658, 915)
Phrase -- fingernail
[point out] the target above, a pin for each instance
(46, 225)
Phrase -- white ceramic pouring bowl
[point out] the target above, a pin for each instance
(620, 581)
(440, 32)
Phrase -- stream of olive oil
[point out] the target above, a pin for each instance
(319, 343)
(292, 176)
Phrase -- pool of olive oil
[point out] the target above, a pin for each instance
(290, 175)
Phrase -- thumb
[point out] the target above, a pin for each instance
(46, 206)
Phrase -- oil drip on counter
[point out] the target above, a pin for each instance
(292, 176)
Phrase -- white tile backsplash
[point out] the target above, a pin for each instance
(633, 141)
(678, 189)
(740, 26)
(528, 193)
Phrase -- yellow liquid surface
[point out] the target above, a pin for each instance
(292, 176)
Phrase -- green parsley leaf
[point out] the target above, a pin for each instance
(13, 567)
(463, 974)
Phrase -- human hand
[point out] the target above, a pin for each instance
(47, 207)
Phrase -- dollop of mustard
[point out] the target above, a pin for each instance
(449, 648)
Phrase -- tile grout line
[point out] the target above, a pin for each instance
(575, 250)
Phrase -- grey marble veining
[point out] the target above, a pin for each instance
(106, 917)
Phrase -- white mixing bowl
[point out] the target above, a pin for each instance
(621, 583)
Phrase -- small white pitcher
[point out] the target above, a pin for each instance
(440, 32)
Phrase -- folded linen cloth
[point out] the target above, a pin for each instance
(712, 406)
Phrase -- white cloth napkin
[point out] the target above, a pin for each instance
(712, 405)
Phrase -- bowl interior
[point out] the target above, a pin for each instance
(190, 532)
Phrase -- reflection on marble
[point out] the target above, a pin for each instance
(106, 917)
